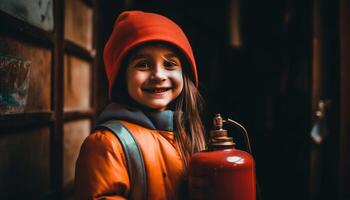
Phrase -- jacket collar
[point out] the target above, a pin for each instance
(156, 120)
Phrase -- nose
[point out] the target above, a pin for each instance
(158, 73)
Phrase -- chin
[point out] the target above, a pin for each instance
(158, 106)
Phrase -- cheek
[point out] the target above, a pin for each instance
(133, 81)
(178, 80)
(134, 76)
(131, 86)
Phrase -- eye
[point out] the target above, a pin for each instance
(143, 65)
(171, 63)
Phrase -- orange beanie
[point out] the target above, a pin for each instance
(133, 28)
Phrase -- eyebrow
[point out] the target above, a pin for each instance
(167, 56)
(171, 55)
(138, 56)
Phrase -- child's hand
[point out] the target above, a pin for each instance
(199, 188)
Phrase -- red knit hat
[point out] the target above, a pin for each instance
(133, 28)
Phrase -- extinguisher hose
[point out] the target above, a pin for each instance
(246, 136)
(249, 149)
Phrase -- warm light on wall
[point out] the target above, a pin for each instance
(234, 21)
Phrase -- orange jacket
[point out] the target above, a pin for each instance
(102, 173)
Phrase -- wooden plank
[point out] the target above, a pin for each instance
(76, 50)
(90, 3)
(27, 32)
(57, 102)
(25, 163)
(21, 121)
(75, 115)
(344, 166)
(78, 26)
(96, 62)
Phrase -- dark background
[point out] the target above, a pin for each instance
(267, 82)
(265, 64)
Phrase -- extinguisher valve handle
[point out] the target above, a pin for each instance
(218, 122)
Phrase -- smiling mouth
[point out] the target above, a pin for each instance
(156, 90)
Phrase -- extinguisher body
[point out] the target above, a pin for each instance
(231, 173)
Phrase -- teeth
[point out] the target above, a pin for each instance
(157, 90)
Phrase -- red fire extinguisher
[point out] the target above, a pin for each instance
(231, 172)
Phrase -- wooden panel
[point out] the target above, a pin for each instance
(37, 13)
(318, 68)
(14, 121)
(24, 164)
(74, 134)
(77, 80)
(38, 98)
(78, 23)
(344, 172)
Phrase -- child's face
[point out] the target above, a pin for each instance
(154, 76)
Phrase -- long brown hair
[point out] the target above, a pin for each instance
(188, 123)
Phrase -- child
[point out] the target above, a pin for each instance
(152, 79)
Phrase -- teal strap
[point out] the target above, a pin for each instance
(134, 158)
